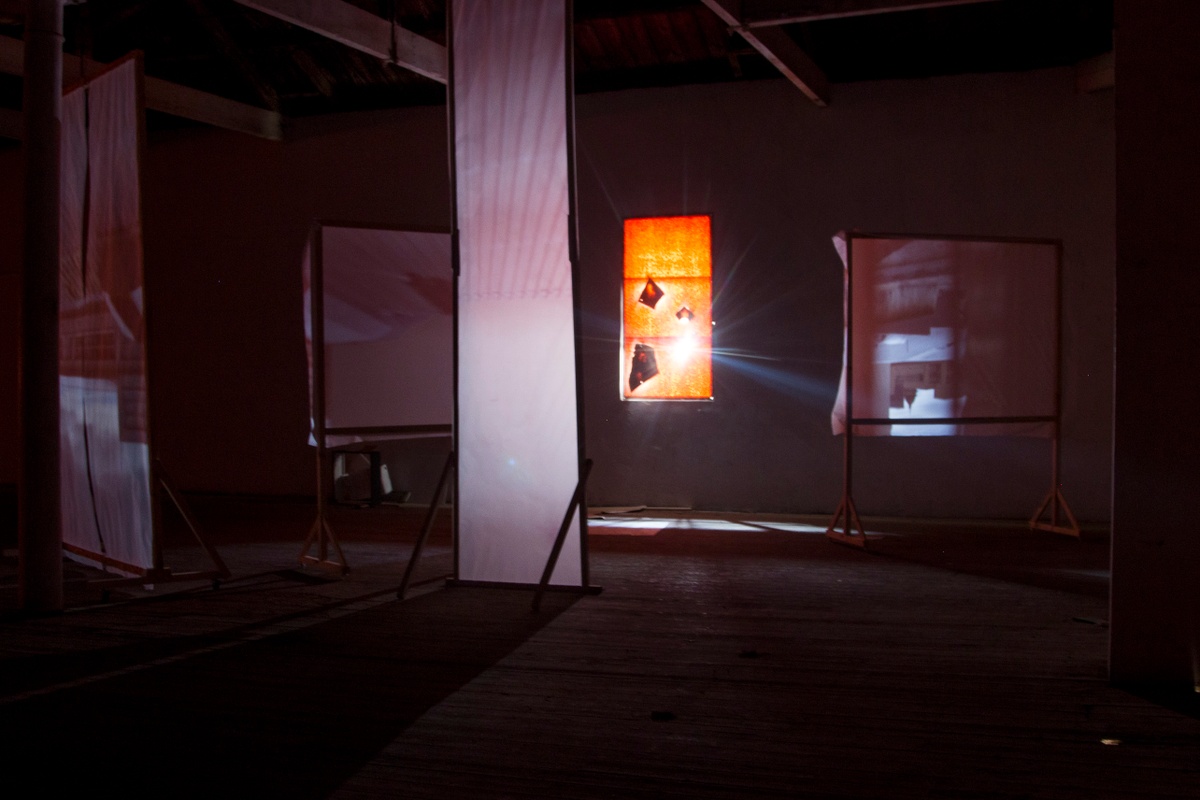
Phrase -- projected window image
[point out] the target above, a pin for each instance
(959, 332)
(667, 322)
(917, 358)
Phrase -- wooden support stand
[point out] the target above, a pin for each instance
(189, 519)
(321, 533)
(1055, 501)
(160, 573)
(577, 503)
(438, 494)
(852, 532)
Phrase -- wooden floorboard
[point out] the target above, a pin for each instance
(944, 662)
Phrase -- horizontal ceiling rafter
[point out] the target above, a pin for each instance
(757, 14)
(171, 98)
(361, 30)
(779, 48)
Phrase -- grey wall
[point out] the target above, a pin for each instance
(1014, 155)
(1006, 155)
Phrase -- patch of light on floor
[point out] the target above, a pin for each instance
(703, 525)
(632, 522)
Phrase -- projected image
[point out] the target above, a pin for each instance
(667, 322)
(388, 329)
(958, 332)
(103, 425)
(916, 358)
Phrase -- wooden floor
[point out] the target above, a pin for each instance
(727, 657)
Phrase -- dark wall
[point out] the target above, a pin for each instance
(11, 227)
(1015, 155)
(227, 220)
(1156, 553)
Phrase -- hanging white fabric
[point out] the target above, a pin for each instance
(518, 456)
(102, 356)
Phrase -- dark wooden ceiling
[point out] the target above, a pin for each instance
(239, 53)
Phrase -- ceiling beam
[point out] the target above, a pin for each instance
(170, 98)
(211, 109)
(362, 30)
(769, 13)
(12, 56)
(236, 55)
(778, 48)
(11, 125)
(12, 11)
(1096, 74)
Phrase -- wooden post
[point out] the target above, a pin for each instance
(1055, 498)
(40, 574)
(846, 512)
(438, 493)
(576, 503)
(455, 267)
(321, 533)
(576, 289)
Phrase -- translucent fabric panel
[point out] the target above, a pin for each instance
(102, 362)
(952, 329)
(517, 435)
(388, 328)
(667, 309)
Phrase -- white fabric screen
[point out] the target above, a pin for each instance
(388, 330)
(951, 328)
(517, 428)
(102, 361)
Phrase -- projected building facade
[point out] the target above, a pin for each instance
(667, 316)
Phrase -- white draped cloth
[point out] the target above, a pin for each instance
(102, 332)
(517, 435)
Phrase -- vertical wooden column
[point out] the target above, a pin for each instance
(1155, 594)
(40, 573)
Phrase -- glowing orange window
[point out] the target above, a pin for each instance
(667, 352)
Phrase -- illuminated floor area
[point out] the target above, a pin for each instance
(728, 656)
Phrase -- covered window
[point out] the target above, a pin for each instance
(667, 322)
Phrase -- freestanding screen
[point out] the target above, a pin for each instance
(106, 503)
(517, 427)
(387, 330)
(951, 336)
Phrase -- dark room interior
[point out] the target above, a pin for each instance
(728, 648)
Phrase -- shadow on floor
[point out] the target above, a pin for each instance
(1004, 551)
(32, 673)
(1177, 698)
(291, 715)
